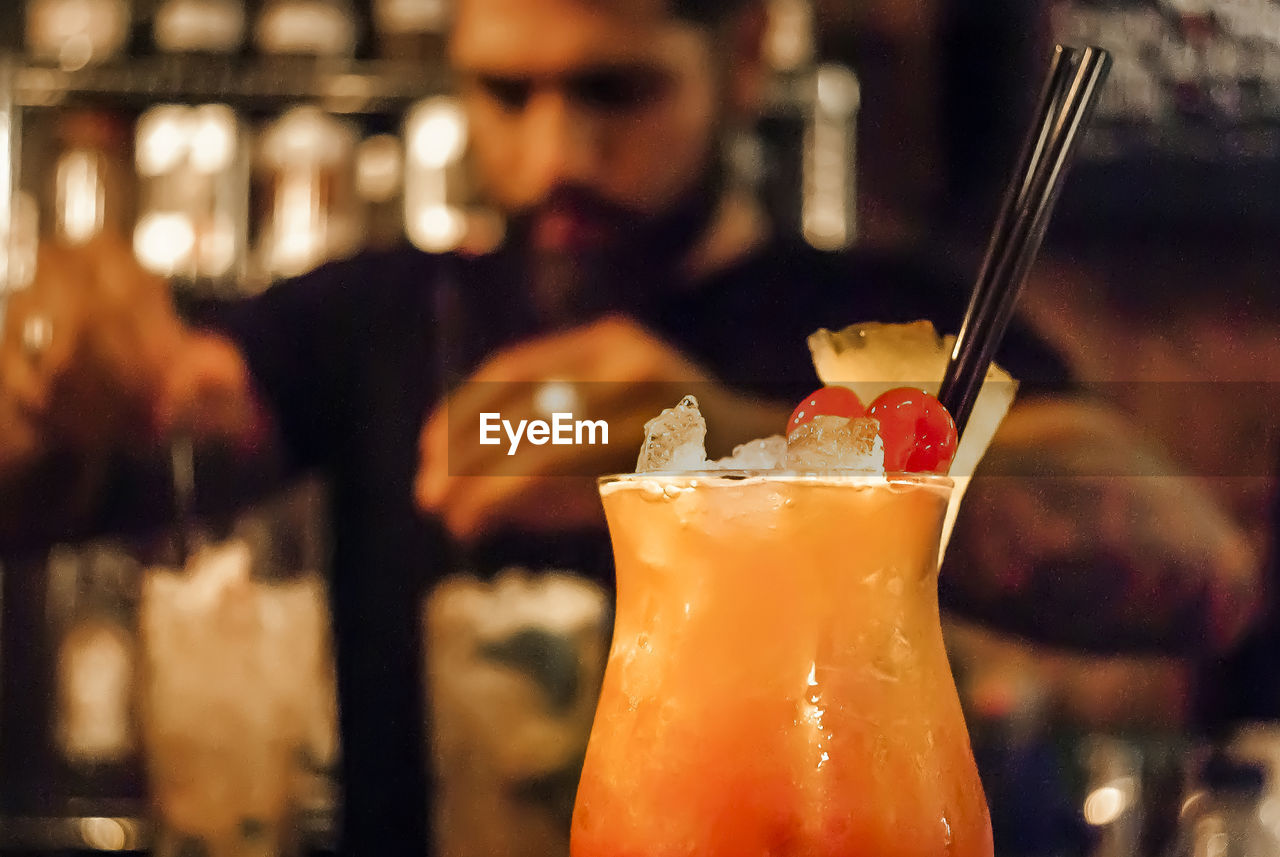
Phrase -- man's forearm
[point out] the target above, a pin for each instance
(56, 483)
(1071, 535)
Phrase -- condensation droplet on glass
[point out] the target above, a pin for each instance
(900, 648)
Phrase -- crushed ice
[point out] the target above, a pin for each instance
(766, 453)
(836, 443)
(675, 441)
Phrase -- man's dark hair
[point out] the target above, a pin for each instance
(709, 12)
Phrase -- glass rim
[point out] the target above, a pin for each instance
(895, 477)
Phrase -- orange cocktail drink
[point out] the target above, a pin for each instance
(777, 683)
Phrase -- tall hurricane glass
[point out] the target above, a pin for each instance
(777, 683)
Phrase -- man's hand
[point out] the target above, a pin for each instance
(613, 370)
(93, 357)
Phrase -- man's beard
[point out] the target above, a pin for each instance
(638, 259)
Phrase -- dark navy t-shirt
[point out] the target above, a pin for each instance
(352, 358)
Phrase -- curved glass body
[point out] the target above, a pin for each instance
(777, 683)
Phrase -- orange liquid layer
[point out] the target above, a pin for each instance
(777, 683)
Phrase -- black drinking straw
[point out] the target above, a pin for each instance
(1061, 65)
(1066, 104)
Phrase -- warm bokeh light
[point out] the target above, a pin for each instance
(1105, 804)
(212, 138)
(164, 241)
(171, 135)
(298, 224)
(200, 25)
(6, 224)
(80, 195)
(837, 90)
(307, 158)
(789, 42)
(436, 131)
(19, 241)
(74, 33)
(438, 228)
(320, 27)
(411, 16)
(216, 247)
(556, 397)
(828, 204)
(305, 136)
(107, 834)
(193, 191)
(162, 139)
(379, 168)
(435, 134)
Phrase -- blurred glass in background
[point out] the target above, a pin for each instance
(192, 224)
(306, 179)
(514, 667)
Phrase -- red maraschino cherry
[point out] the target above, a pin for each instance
(919, 435)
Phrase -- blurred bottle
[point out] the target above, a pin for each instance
(91, 189)
(199, 26)
(789, 40)
(92, 608)
(412, 30)
(309, 212)
(380, 186)
(829, 209)
(77, 33)
(93, 602)
(819, 192)
(321, 28)
(19, 242)
(1227, 814)
(435, 134)
(193, 171)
